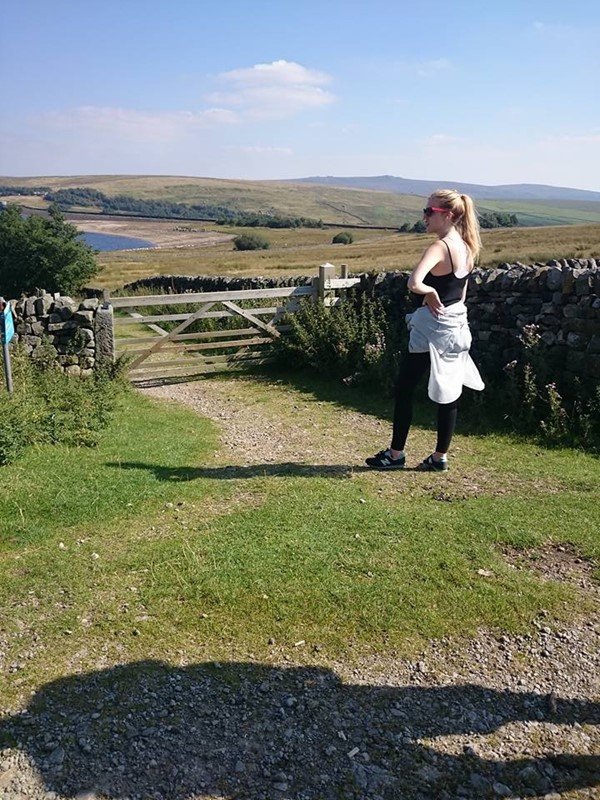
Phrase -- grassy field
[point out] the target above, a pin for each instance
(300, 251)
(157, 544)
(331, 204)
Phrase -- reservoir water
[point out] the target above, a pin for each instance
(104, 241)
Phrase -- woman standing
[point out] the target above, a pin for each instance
(439, 331)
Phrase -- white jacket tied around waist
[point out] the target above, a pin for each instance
(447, 338)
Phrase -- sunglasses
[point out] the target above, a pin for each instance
(432, 209)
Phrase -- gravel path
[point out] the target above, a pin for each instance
(492, 716)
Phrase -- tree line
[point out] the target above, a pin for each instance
(65, 199)
(487, 219)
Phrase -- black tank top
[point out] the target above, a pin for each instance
(448, 286)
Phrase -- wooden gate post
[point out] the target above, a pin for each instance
(344, 275)
(326, 272)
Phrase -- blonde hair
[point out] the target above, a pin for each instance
(464, 217)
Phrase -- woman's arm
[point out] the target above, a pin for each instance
(430, 258)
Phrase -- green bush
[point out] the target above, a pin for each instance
(250, 241)
(344, 237)
(539, 397)
(351, 340)
(49, 407)
(43, 252)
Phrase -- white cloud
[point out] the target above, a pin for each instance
(94, 138)
(276, 90)
(264, 91)
(285, 73)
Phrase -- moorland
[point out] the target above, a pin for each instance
(547, 228)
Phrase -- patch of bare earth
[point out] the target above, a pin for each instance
(555, 562)
(162, 233)
(271, 425)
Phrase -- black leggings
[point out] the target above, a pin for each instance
(412, 369)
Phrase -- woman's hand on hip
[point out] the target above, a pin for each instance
(433, 302)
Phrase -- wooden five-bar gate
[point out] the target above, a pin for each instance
(204, 332)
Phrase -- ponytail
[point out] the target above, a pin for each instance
(468, 225)
(464, 217)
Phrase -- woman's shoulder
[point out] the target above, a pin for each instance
(435, 249)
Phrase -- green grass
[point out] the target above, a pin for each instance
(546, 212)
(55, 488)
(154, 544)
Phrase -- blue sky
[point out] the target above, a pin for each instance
(505, 92)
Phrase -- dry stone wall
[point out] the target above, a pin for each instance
(561, 298)
(74, 334)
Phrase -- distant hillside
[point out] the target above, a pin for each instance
(517, 191)
(333, 204)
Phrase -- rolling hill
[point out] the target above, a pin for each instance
(517, 191)
(376, 204)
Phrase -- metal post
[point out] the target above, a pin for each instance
(6, 337)
(7, 370)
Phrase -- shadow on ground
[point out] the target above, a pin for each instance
(287, 469)
(149, 730)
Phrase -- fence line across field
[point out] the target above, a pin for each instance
(176, 353)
